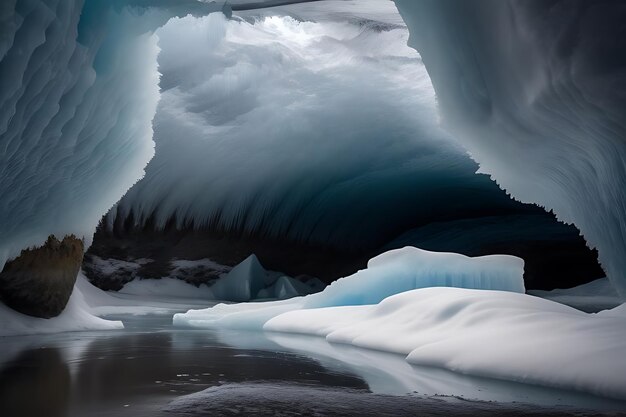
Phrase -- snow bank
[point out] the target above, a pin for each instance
(387, 274)
(167, 299)
(492, 334)
(536, 91)
(286, 287)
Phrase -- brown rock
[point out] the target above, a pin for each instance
(40, 281)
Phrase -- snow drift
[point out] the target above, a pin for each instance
(536, 91)
(493, 334)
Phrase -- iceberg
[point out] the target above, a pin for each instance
(243, 282)
(390, 273)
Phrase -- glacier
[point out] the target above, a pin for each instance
(535, 91)
(390, 273)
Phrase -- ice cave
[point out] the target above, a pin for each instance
(312, 207)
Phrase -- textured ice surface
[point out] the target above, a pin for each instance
(387, 274)
(322, 169)
(536, 92)
(78, 91)
(492, 334)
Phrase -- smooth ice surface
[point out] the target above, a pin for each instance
(387, 274)
(536, 91)
(492, 334)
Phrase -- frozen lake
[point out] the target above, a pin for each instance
(152, 369)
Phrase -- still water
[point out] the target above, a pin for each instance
(151, 369)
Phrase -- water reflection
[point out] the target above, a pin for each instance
(390, 374)
(140, 370)
(136, 372)
(35, 383)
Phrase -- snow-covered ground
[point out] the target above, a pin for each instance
(477, 330)
(484, 333)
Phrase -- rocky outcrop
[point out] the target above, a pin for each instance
(39, 282)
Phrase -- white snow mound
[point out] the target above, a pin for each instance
(492, 334)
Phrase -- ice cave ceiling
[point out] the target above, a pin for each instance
(323, 132)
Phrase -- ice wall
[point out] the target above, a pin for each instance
(536, 90)
(78, 91)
